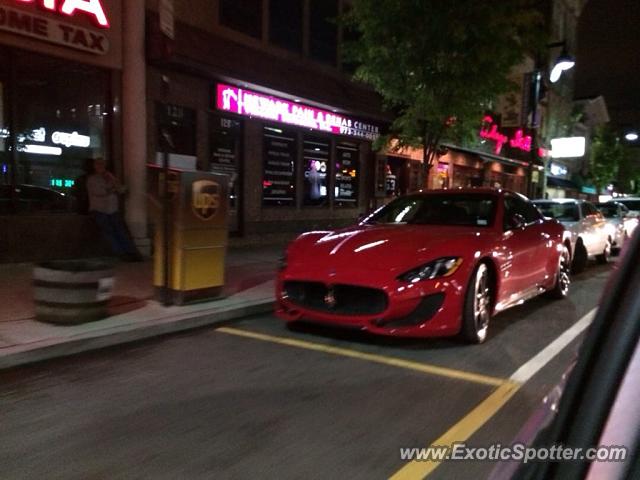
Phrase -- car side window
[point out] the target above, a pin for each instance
(532, 213)
(589, 209)
(582, 210)
(516, 206)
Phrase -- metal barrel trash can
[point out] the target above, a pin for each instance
(72, 291)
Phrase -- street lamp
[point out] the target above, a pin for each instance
(631, 136)
(563, 63)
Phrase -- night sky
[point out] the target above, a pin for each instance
(608, 58)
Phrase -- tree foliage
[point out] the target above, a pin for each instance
(629, 173)
(607, 155)
(438, 64)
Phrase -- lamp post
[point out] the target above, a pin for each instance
(562, 63)
(536, 86)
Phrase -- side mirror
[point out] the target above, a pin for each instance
(516, 221)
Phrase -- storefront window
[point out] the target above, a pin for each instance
(316, 169)
(225, 151)
(62, 120)
(176, 136)
(466, 177)
(279, 176)
(347, 174)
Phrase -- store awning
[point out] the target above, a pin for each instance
(504, 160)
(487, 157)
(561, 183)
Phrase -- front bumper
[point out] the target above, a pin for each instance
(432, 308)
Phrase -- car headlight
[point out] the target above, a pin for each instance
(442, 267)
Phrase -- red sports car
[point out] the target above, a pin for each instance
(434, 264)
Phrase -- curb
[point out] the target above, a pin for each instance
(123, 334)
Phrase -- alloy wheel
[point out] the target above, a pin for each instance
(482, 302)
(564, 272)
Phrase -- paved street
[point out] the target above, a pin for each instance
(256, 400)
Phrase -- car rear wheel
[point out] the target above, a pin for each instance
(579, 258)
(604, 257)
(477, 306)
(563, 276)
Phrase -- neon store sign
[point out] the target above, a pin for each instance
(253, 104)
(71, 8)
(489, 131)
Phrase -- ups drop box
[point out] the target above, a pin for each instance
(198, 234)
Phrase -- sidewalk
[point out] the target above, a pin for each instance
(249, 287)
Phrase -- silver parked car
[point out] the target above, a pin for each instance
(620, 223)
(632, 203)
(587, 226)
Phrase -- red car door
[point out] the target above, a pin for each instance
(523, 241)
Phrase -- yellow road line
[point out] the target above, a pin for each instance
(461, 431)
(370, 357)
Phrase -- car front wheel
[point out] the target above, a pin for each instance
(606, 253)
(477, 306)
(580, 257)
(563, 276)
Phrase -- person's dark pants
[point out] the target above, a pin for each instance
(113, 228)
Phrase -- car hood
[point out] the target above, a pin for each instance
(393, 248)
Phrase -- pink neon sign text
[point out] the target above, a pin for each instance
(489, 131)
(254, 104)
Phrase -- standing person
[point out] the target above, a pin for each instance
(103, 189)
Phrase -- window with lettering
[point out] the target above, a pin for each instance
(62, 120)
(176, 135)
(279, 167)
(225, 151)
(315, 157)
(346, 175)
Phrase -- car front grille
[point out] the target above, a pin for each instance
(336, 299)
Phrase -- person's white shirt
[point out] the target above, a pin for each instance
(103, 193)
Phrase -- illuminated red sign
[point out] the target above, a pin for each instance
(91, 8)
(489, 131)
(52, 30)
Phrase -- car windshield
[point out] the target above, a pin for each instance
(564, 212)
(631, 204)
(472, 210)
(609, 210)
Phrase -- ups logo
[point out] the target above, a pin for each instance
(205, 199)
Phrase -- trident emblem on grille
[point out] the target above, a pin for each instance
(330, 298)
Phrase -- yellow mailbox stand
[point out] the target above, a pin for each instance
(198, 234)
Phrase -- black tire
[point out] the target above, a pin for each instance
(476, 313)
(604, 257)
(580, 258)
(560, 289)
(616, 251)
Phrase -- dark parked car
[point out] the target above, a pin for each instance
(25, 198)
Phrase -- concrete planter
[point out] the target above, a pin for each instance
(72, 291)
